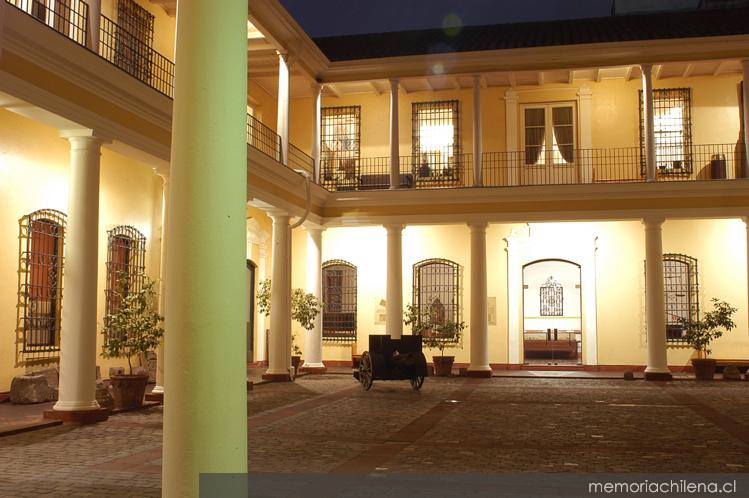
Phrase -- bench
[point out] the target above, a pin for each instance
(742, 365)
(545, 349)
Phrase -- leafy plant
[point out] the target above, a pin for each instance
(701, 333)
(295, 347)
(436, 331)
(135, 327)
(305, 308)
(263, 297)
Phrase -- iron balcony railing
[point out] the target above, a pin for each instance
(301, 160)
(116, 45)
(263, 138)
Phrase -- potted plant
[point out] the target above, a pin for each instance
(437, 332)
(305, 308)
(135, 327)
(702, 332)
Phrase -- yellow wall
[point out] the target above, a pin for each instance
(34, 175)
(164, 25)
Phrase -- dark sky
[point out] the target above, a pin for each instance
(345, 17)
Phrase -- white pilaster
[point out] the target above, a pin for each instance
(514, 293)
(159, 387)
(657, 368)
(94, 20)
(78, 339)
(394, 136)
(478, 172)
(479, 324)
(394, 295)
(279, 349)
(745, 94)
(282, 123)
(512, 144)
(313, 338)
(585, 164)
(647, 98)
(317, 117)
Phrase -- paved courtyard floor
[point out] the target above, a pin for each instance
(329, 424)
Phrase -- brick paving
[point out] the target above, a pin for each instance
(329, 424)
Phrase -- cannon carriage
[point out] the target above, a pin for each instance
(392, 359)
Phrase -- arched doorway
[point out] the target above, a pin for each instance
(552, 313)
(251, 270)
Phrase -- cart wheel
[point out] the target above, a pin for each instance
(417, 382)
(365, 371)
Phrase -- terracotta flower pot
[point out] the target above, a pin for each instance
(128, 390)
(443, 365)
(704, 368)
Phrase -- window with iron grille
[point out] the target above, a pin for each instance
(551, 294)
(134, 39)
(40, 269)
(681, 290)
(126, 266)
(549, 134)
(339, 298)
(436, 140)
(672, 108)
(340, 131)
(437, 289)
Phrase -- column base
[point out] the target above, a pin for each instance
(78, 417)
(479, 374)
(155, 396)
(313, 370)
(279, 377)
(658, 376)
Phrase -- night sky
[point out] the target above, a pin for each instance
(344, 17)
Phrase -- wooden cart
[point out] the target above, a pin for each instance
(392, 359)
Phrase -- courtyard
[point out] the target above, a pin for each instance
(327, 423)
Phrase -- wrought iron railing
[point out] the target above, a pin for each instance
(126, 51)
(263, 138)
(301, 160)
(68, 18)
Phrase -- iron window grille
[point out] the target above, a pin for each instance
(672, 108)
(339, 300)
(68, 17)
(437, 289)
(681, 289)
(551, 294)
(134, 40)
(41, 244)
(436, 141)
(126, 266)
(340, 145)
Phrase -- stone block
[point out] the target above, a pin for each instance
(140, 371)
(148, 360)
(104, 395)
(731, 372)
(28, 389)
(51, 374)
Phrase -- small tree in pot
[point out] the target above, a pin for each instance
(701, 333)
(437, 332)
(135, 327)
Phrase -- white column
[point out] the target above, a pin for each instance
(317, 116)
(282, 123)
(514, 159)
(94, 20)
(313, 339)
(79, 328)
(394, 137)
(394, 295)
(479, 324)
(657, 368)
(647, 98)
(279, 350)
(261, 340)
(514, 292)
(478, 172)
(159, 387)
(205, 407)
(585, 164)
(745, 94)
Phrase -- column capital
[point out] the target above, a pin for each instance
(312, 227)
(647, 68)
(478, 226)
(394, 82)
(316, 88)
(653, 222)
(477, 79)
(511, 96)
(277, 213)
(394, 228)
(84, 136)
(585, 93)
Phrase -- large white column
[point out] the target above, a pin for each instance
(745, 113)
(478, 146)
(657, 368)
(317, 116)
(394, 294)
(279, 350)
(79, 327)
(262, 345)
(282, 123)
(205, 407)
(159, 387)
(313, 339)
(479, 324)
(514, 158)
(647, 99)
(94, 21)
(395, 178)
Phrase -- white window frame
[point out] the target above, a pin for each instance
(548, 156)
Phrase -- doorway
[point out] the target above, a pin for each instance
(552, 313)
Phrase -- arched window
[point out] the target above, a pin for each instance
(40, 269)
(681, 293)
(437, 287)
(126, 265)
(339, 298)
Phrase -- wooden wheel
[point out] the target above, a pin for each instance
(417, 382)
(365, 371)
